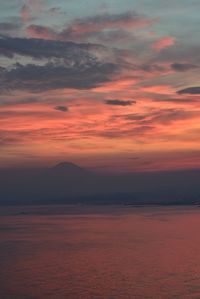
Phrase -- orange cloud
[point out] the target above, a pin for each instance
(163, 43)
(118, 85)
(35, 31)
(160, 89)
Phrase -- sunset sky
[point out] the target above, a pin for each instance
(110, 85)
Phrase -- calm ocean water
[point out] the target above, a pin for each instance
(99, 252)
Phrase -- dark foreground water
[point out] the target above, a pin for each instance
(99, 252)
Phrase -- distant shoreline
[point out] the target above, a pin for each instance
(90, 209)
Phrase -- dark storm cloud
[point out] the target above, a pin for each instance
(61, 108)
(41, 48)
(70, 65)
(67, 65)
(119, 102)
(182, 67)
(190, 90)
(52, 76)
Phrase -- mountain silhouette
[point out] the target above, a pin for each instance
(67, 182)
(70, 169)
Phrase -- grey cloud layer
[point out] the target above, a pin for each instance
(50, 76)
(40, 49)
(8, 26)
(70, 65)
(61, 64)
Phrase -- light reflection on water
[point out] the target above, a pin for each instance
(99, 252)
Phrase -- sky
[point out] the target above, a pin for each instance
(109, 85)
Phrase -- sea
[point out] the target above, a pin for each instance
(99, 252)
